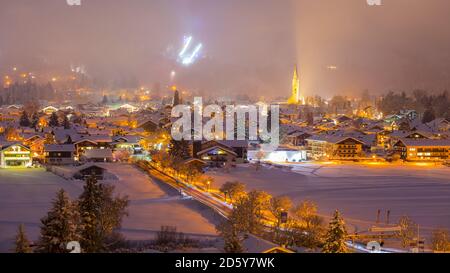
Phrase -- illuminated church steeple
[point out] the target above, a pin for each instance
(295, 97)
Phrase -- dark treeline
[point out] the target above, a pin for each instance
(23, 93)
(425, 103)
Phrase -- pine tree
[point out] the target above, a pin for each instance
(179, 149)
(428, 116)
(22, 245)
(24, 120)
(54, 121)
(89, 203)
(101, 214)
(66, 123)
(105, 99)
(336, 235)
(78, 119)
(60, 226)
(34, 120)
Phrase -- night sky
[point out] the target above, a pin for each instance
(250, 46)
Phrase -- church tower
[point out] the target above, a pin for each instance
(295, 97)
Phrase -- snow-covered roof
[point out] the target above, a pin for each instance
(405, 134)
(217, 147)
(128, 138)
(98, 153)
(426, 142)
(87, 166)
(253, 244)
(368, 140)
(59, 148)
(6, 144)
(92, 138)
(61, 134)
(193, 159)
(332, 138)
(298, 133)
(28, 136)
(233, 143)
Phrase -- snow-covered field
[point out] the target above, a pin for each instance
(25, 197)
(153, 204)
(358, 191)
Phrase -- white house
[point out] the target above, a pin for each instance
(15, 155)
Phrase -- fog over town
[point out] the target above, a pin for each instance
(248, 46)
(207, 126)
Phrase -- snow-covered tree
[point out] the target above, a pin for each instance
(54, 121)
(105, 99)
(260, 155)
(60, 226)
(440, 240)
(233, 238)
(179, 149)
(101, 215)
(408, 230)
(122, 155)
(34, 120)
(89, 205)
(24, 120)
(278, 205)
(308, 229)
(66, 122)
(22, 244)
(335, 236)
(233, 190)
(248, 211)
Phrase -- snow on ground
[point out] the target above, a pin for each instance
(153, 204)
(25, 197)
(358, 191)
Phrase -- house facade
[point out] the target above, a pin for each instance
(334, 148)
(217, 153)
(15, 156)
(60, 154)
(423, 149)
